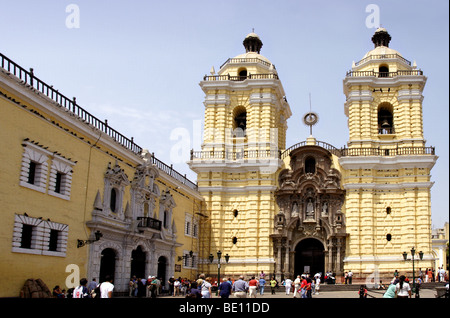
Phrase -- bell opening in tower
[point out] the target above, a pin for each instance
(385, 119)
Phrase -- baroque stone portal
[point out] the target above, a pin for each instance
(310, 200)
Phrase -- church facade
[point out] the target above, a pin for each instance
(312, 207)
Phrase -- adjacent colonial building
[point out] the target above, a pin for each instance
(79, 199)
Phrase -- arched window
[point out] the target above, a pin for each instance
(385, 119)
(242, 74)
(239, 121)
(235, 213)
(310, 165)
(383, 71)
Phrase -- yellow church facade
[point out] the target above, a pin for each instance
(79, 199)
(312, 207)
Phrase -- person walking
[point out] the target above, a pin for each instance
(176, 287)
(252, 287)
(92, 285)
(402, 289)
(418, 285)
(273, 285)
(350, 277)
(262, 284)
(297, 283)
(132, 286)
(225, 289)
(317, 278)
(171, 286)
(308, 287)
(390, 292)
(107, 287)
(441, 275)
(206, 288)
(288, 285)
(303, 286)
(240, 288)
(152, 287)
(81, 291)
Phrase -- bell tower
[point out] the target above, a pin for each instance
(245, 125)
(386, 167)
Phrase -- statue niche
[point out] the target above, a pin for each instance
(310, 210)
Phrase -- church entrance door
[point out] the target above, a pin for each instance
(309, 257)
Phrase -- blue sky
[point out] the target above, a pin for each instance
(138, 63)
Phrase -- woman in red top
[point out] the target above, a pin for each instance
(252, 287)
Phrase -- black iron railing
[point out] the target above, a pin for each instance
(403, 151)
(235, 155)
(173, 173)
(343, 152)
(228, 77)
(384, 74)
(146, 222)
(322, 144)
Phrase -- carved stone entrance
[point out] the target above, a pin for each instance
(310, 200)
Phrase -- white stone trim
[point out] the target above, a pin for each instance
(33, 153)
(65, 169)
(388, 162)
(40, 237)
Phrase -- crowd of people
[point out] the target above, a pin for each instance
(303, 286)
(87, 289)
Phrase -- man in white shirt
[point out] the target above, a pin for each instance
(317, 278)
(106, 288)
(350, 276)
(441, 274)
(288, 285)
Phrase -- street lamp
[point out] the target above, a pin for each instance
(211, 259)
(98, 235)
(405, 257)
